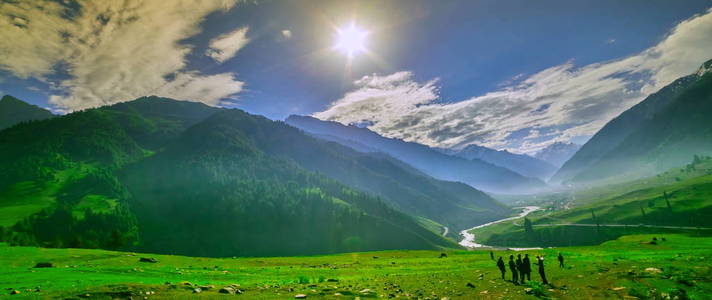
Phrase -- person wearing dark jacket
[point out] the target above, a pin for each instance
(500, 265)
(561, 260)
(491, 255)
(542, 274)
(526, 268)
(520, 268)
(513, 269)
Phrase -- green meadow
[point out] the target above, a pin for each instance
(630, 267)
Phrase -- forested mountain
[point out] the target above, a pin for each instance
(477, 173)
(557, 153)
(663, 131)
(167, 176)
(13, 111)
(520, 163)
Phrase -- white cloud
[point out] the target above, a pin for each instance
(226, 46)
(111, 51)
(286, 34)
(556, 104)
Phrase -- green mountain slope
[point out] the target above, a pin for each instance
(663, 131)
(160, 174)
(13, 111)
(676, 201)
(218, 191)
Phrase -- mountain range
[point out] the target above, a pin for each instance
(167, 176)
(474, 172)
(665, 130)
(520, 163)
(557, 153)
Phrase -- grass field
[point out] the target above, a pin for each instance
(628, 267)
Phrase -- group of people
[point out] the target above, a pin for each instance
(521, 268)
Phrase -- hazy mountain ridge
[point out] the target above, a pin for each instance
(520, 163)
(14, 111)
(557, 153)
(665, 130)
(477, 173)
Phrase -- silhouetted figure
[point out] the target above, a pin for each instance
(491, 255)
(542, 274)
(526, 268)
(513, 269)
(500, 265)
(520, 267)
(561, 260)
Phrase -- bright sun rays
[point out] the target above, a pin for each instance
(351, 40)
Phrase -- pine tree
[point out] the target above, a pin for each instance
(528, 227)
(667, 201)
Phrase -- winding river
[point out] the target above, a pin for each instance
(468, 239)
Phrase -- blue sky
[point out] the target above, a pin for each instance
(430, 63)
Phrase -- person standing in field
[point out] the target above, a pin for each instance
(513, 269)
(491, 255)
(520, 268)
(500, 265)
(526, 268)
(561, 260)
(542, 273)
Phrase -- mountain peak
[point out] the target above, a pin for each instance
(13, 111)
(10, 99)
(705, 68)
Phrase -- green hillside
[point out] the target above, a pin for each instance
(688, 191)
(629, 268)
(153, 174)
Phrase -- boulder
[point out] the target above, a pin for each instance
(300, 296)
(229, 290)
(43, 265)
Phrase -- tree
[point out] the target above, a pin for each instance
(595, 219)
(528, 227)
(116, 240)
(667, 201)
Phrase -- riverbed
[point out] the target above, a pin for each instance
(468, 239)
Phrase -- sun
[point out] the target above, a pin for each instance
(351, 40)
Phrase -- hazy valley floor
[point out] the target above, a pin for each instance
(629, 268)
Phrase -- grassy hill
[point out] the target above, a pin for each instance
(629, 267)
(688, 190)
